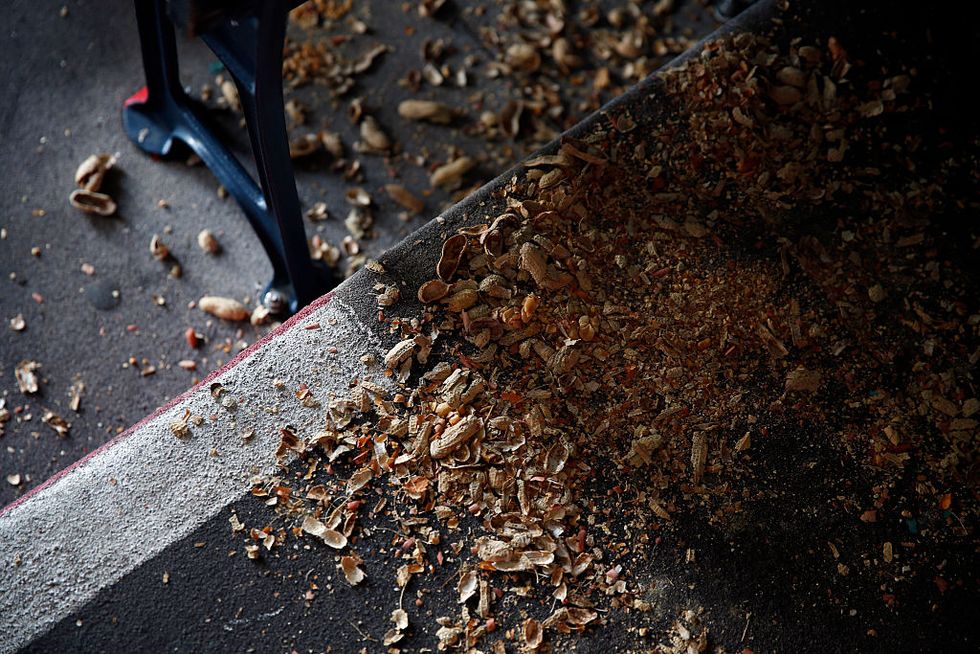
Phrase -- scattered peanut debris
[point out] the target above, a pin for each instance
(358, 197)
(303, 146)
(450, 175)
(330, 536)
(261, 315)
(224, 308)
(181, 427)
(4, 415)
(57, 423)
(374, 140)
(803, 380)
(89, 178)
(208, 242)
(318, 212)
(404, 198)
(159, 249)
(428, 110)
(229, 92)
(687, 635)
(602, 325)
(359, 222)
(26, 374)
(91, 172)
(547, 329)
(193, 338)
(353, 573)
(92, 203)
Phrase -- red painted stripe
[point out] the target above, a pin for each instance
(244, 354)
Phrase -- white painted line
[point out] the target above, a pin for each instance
(115, 510)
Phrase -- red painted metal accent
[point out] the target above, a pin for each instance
(140, 97)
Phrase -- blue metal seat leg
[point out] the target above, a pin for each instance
(155, 117)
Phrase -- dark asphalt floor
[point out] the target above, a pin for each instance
(761, 584)
(64, 80)
(65, 71)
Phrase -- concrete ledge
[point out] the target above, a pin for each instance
(97, 520)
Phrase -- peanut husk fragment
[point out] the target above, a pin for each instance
(432, 291)
(427, 110)
(452, 252)
(207, 241)
(91, 202)
(91, 172)
(451, 174)
(224, 308)
(373, 137)
(404, 198)
(26, 375)
(455, 436)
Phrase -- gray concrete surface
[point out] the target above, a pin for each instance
(122, 507)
